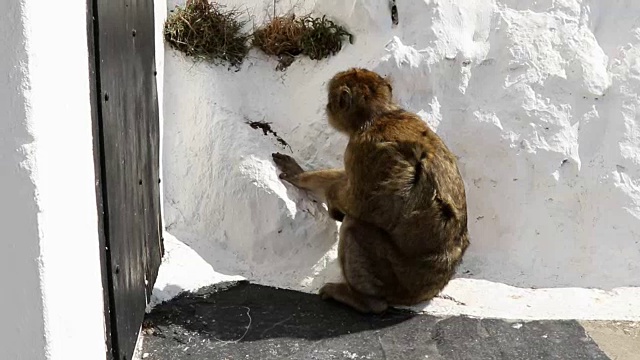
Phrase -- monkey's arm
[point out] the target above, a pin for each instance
(317, 181)
(320, 182)
(326, 184)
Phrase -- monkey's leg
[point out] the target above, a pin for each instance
(368, 277)
(341, 292)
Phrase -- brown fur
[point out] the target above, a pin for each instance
(400, 196)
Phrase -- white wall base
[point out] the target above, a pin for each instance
(52, 300)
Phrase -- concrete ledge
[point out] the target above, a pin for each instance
(183, 269)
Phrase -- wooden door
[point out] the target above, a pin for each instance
(126, 138)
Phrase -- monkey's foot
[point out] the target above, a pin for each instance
(341, 292)
(287, 165)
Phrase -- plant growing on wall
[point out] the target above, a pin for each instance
(288, 36)
(281, 37)
(208, 31)
(322, 37)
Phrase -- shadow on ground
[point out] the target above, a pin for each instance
(254, 312)
(247, 321)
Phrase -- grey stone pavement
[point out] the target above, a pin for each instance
(247, 321)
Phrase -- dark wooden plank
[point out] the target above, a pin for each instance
(130, 133)
(151, 176)
(96, 123)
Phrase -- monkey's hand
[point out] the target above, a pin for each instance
(288, 166)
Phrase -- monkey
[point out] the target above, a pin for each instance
(400, 197)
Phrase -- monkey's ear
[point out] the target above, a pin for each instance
(344, 98)
(388, 83)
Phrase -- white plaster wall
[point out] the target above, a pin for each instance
(21, 308)
(52, 305)
(539, 100)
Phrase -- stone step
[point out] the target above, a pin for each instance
(247, 321)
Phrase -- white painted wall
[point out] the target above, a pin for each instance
(538, 98)
(51, 304)
(21, 308)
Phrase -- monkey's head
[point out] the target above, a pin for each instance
(356, 97)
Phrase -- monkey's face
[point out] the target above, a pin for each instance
(354, 96)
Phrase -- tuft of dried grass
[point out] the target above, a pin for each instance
(208, 31)
(281, 36)
(288, 36)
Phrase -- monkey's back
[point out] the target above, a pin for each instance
(404, 179)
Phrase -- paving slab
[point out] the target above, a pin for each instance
(248, 321)
(620, 340)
